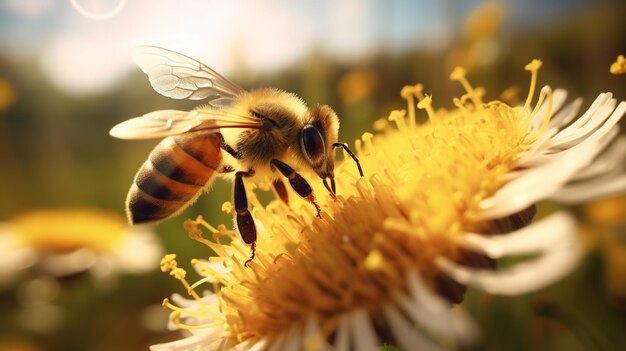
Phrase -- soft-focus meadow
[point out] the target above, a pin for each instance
(66, 79)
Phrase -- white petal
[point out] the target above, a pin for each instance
(434, 313)
(405, 334)
(536, 184)
(204, 341)
(14, 256)
(540, 236)
(294, 340)
(279, 343)
(259, 346)
(591, 190)
(313, 338)
(611, 160)
(541, 182)
(211, 269)
(558, 98)
(69, 263)
(363, 334)
(342, 341)
(579, 129)
(601, 100)
(139, 252)
(523, 277)
(567, 114)
(542, 143)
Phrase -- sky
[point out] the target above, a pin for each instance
(83, 55)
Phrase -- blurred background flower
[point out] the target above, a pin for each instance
(66, 79)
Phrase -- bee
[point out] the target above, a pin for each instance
(242, 133)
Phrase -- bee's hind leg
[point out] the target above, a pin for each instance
(245, 222)
(298, 183)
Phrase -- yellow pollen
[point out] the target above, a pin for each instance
(168, 263)
(375, 260)
(619, 66)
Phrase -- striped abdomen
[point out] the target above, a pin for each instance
(176, 172)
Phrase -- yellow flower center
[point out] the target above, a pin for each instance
(423, 187)
(67, 229)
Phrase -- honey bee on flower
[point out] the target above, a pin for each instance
(387, 262)
(261, 133)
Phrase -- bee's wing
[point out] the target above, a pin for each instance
(180, 77)
(159, 124)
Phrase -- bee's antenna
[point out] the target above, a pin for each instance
(345, 147)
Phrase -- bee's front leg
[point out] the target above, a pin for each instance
(298, 183)
(245, 222)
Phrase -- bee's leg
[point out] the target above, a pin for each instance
(281, 190)
(234, 153)
(356, 160)
(298, 183)
(245, 223)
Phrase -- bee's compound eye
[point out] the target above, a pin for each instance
(313, 144)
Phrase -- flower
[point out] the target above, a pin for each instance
(7, 94)
(64, 242)
(619, 66)
(393, 254)
(356, 85)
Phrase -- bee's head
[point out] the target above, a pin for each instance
(317, 139)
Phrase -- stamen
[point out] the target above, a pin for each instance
(460, 104)
(533, 67)
(408, 93)
(426, 104)
(619, 66)
(169, 264)
(200, 282)
(546, 91)
(175, 318)
(398, 117)
(459, 74)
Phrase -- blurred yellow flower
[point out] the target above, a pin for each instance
(619, 66)
(483, 21)
(68, 229)
(396, 249)
(356, 85)
(61, 242)
(7, 94)
(479, 45)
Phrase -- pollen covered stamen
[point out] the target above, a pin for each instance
(545, 92)
(533, 67)
(459, 74)
(426, 104)
(408, 93)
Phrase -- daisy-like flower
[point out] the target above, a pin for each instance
(394, 253)
(64, 242)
